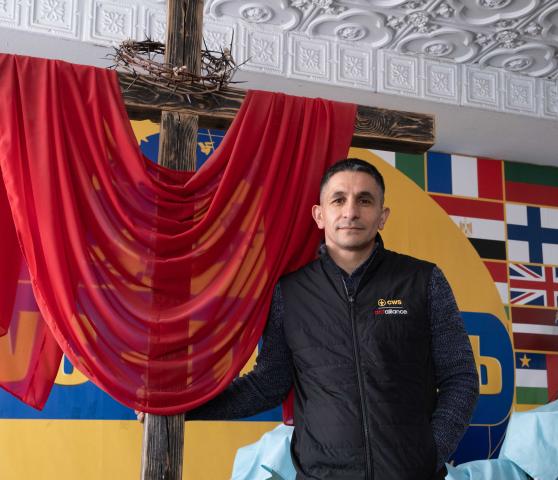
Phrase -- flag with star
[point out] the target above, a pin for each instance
(536, 379)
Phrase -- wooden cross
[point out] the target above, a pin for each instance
(180, 118)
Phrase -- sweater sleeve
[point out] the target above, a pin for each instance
(266, 385)
(456, 372)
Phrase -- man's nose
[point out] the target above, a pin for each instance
(350, 209)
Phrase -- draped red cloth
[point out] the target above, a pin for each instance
(156, 284)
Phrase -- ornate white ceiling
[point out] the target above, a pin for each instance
(500, 55)
(494, 54)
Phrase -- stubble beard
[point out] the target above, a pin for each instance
(355, 245)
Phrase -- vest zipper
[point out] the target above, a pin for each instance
(360, 385)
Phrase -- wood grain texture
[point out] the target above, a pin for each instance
(163, 440)
(374, 127)
(162, 454)
(177, 141)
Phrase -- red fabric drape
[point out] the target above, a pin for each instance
(156, 284)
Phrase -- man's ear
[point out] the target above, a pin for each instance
(317, 216)
(383, 218)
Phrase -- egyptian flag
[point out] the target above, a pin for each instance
(481, 221)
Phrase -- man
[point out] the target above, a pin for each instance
(383, 372)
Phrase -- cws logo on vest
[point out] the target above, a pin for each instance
(390, 307)
(419, 227)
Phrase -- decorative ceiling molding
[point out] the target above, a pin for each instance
(499, 55)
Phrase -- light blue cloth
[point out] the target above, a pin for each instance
(532, 441)
(531, 446)
(499, 469)
(267, 459)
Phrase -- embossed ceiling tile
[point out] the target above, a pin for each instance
(520, 93)
(485, 12)
(548, 22)
(155, 24)
(10, 11)
(550, 99)
(218, 36)
(263, 51)
(532, 59)
(54, 15)
(457, 45)
(379, 3)
(404, 4)
(309, 58)
(272, 12)
(112, 22)
(355, 67)
(398, 74)
(481, 87)
(441, 81)
(309, 7)
(354, 26)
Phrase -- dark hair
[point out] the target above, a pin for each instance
(353, 165)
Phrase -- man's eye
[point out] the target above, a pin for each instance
(366, 201)
(338, 200)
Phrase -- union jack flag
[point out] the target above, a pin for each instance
(533, 285)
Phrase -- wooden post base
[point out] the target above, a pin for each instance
(163, 438)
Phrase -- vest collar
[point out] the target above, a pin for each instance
(363, 270)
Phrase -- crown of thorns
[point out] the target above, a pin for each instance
(144, 58)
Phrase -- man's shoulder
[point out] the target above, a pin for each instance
(303, 272)
(402, 259)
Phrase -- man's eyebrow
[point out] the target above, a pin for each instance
(338, 193)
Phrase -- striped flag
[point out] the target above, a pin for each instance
(533, 285)
(536, 378)
(481, 221)
(535, 328)
(499, 273)
(410, 164)
(464, 176)
(532, 234)
(526, 183)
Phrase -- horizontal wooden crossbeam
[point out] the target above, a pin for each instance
(377, 128)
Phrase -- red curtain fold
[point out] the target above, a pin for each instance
(155, 284)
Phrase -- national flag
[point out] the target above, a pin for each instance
(481, 221)
(499, 273)
(535, 328)
(532, 234)
(536, 378)
(464, 176)
(410, 164)
(533, 285)
(527, 183)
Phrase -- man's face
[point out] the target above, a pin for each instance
(351, 211)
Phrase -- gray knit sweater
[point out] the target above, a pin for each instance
(271, 379)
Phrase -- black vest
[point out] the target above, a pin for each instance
(364, 377)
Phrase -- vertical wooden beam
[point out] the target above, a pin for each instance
(163, 447)
(177, 143)
(163, 439)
